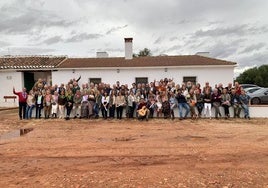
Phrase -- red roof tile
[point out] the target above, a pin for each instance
(50, 62)
(30, 62)
(150, 61)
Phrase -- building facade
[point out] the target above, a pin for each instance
(19, 71)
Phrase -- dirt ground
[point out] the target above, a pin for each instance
(130, 153)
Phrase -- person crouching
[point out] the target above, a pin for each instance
(143, 111)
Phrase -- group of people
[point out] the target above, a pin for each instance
(141, 100)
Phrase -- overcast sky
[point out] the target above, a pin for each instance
(229, 29)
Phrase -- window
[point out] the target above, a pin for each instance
(189, 78)
(141, 80)
(95, 80)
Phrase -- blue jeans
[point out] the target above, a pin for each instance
(186, 107)
(96, 110)
(246, 110)
(29, 110)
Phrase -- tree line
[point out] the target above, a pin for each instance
(256, 75)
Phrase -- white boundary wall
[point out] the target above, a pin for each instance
(255, 111)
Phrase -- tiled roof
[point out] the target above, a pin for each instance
(50, 62)
(150, 61)
(30, 62)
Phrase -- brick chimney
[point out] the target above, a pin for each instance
(128, 48)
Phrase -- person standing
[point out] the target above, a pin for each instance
(30, 104)
(69, 104)
(39, 100)
(54, 105)
(62, 102)
(192, 102)
(77, 104)
(104, 105)
(131, 104)
(47, 104)
(120, 102)
(207, 102)
(216, 102)
(22, 102)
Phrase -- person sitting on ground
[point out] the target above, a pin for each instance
(142, 110)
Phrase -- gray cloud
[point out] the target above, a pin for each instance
(53, 40)
(159, 40)
(255, 59)
(253, 47)
(173, 38)
(237, 30)
(114, 29)
(27, 51)
(82, 37)
(175, 47)
(112, 50)
(25, 20)
(222, 49)
(74, 38)
(3, 43)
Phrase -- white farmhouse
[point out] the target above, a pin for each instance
(20, 71)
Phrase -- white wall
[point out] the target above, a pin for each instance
(7, 81)
(257, 111)
(214, 75)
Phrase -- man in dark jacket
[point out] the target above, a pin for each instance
(182, 103)
(236, 104)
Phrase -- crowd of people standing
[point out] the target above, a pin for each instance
(141, 100)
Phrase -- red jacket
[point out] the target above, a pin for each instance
(22, 97)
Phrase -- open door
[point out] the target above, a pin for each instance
(28, 80)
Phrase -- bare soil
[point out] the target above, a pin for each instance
(130, 153)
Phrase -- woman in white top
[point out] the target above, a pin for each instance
(105, 105)
(120, 102)
(30, 104)
(55, 105)
(131, 104)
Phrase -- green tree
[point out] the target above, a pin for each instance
(143, 53)
(256, 75)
